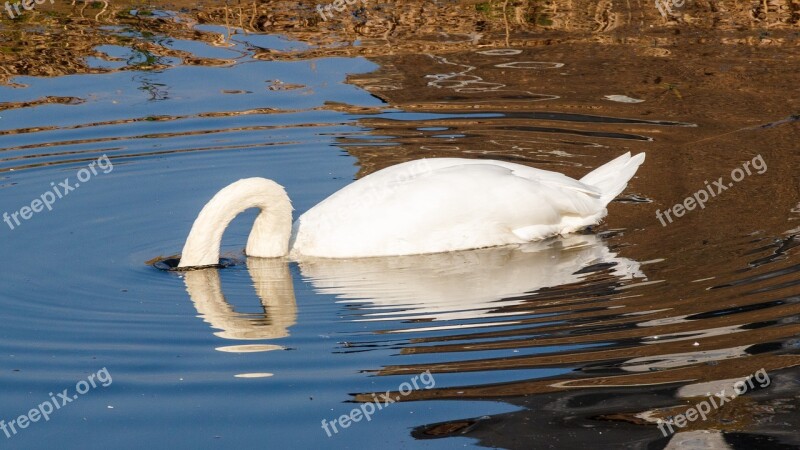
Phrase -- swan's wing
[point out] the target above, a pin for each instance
(406, 172)
(568, 196)
(549, 178)
(440, 208)
(450, 180)
(523, 186)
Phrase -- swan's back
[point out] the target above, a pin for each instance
(446, 204)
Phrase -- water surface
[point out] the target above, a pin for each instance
(554, 342)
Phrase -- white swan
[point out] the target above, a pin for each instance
(423, 206)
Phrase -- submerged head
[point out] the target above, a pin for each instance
(269, 237)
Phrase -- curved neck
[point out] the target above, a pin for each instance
(269, 237)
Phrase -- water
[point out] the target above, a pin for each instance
(553, 342)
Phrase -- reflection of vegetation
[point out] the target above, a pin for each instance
(54, 40)
(669, 87)
(142, 59)
(520, 13)
(157, 91)
(42, 101)
(483, 7)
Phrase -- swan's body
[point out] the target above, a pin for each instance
(424, 206)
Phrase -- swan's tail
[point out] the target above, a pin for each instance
(612, 177)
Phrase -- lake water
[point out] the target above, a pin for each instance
(590, 338)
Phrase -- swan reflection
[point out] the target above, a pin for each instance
(273, 285)
(475, 284)
(461, 285)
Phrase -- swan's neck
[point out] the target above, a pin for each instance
(270, 234)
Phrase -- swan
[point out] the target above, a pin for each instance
(424, 206)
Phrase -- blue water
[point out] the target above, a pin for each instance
(78, 297)
(258, 354)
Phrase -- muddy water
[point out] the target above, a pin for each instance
(588, 338)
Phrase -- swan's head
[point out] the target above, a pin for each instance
(269, 237)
